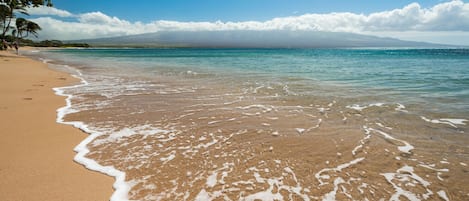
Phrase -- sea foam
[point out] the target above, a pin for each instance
(121, 187)
(448, 121)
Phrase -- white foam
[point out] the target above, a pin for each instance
(313, 127)
(300, 130)
(265, 196)
(360, 108)
(400, 107)
(399, 191)
(45, 60)
(406, 148)
(432, 168)
(171, 156)
(361, 187)
(208, 144)
(383, 126)
(362, 142)
(287, 90)
(289, 170)
(212, 122)
(455, 121)
(263, 108)
(144, 130)
(339, 168)
(438, 175)
(410, 170)
(275, 133)
(121, 187)
(203, 196)
(331, 195)
(257, 88)
(448, 121)
(276, 185)
(442, 195)
(343, 115)
(212, 179)
(191, 72)
(405, 174)
(258, 177)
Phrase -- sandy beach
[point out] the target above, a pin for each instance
(36, 152)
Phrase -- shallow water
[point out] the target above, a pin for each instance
(286, 124)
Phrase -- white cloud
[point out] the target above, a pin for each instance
(449, 16)
(56, 29)
(452, 16)
(101, 19)
(44, 10)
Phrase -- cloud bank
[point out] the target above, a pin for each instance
(448, 18)
(43, 10)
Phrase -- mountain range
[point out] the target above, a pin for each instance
(254, 39)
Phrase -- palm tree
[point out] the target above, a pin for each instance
(9, 9)
(3, 20)
(3, 14)
(25, 27)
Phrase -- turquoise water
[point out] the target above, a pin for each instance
(437, 77)
(285, 124)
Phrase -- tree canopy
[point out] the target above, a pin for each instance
(26, 3)
(23, 27)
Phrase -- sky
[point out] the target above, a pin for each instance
(438, 21)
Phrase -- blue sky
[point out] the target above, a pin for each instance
(227, 10)
(437, 21)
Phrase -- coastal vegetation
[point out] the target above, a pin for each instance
(55, 43)
(17, 27)
(46, 43)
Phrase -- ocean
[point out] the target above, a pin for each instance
(271, 124)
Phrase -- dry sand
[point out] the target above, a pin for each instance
(36, 153)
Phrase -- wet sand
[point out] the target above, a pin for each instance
(36, 152)
(228, 142)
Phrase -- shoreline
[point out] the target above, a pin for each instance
(372, 141)
(121, 188)
(37, 152)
